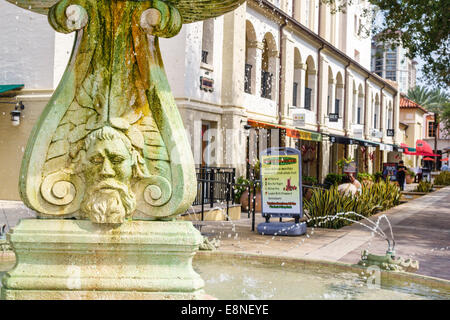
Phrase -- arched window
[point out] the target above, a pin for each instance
(298, 81)
(389, 119)
(268, 67)
(250, 58)
(376, 113)
(360, 111)
(310, 84)
(339, 97)
(331, 91)
(208, 41)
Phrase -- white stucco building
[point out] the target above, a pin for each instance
(259, 66)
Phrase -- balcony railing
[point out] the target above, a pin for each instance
(294, 94)
(266, 84)
(308, 93)
(205, 56)
(248, 78)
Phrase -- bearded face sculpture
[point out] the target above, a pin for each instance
(113, 114)
(108, 170)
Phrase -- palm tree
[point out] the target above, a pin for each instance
(435, 101)
(432, 100)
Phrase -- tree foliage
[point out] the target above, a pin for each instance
(421, 26)
(434, 100)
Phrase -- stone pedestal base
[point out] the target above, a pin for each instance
(76, 259)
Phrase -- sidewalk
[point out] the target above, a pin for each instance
(421, 229)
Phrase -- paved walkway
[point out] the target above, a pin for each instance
(421, 228)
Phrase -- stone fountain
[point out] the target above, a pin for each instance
(108, 166)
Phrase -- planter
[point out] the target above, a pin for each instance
(244, 201)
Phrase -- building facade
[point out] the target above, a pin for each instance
(393, 64)
(412, 117)
(272, 63)
(439, 140)
(271, 73)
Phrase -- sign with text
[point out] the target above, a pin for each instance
(298, 119)
(333, 117)
(390, 170)
(281, 186)
(350, 167)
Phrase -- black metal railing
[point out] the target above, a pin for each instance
(205, 56)
(308, 92)
(266, 84)
(212, 185)
(248, 78)
(205, 185)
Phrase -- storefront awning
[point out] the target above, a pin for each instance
(290, 131)
(349, 140)
(9, 87)
(422, 149)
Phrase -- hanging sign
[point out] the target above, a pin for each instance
(350, 167)
(298, 119)
(281, 186)
(390, 171)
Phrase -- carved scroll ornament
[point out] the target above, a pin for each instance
(110, 145)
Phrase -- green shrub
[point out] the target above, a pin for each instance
(333, 178)
(376, 197)
(364, 176)
(443, 179)
(309, 180)
(424, 186)
(377, 176)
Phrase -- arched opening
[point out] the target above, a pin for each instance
(208, 41)
(376, 112)
(360, 111)
(268, 67)
(339, 95)
(250, 58)
(298, 80)
(390, 116)
(331, 91)
(310, 84)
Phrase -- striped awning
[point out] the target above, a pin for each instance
(290, 131)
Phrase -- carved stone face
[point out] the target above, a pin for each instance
(108, 159)
(108, 172)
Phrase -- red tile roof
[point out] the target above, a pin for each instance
(407, 103)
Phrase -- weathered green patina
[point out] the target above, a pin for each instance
(110, 147)
(388, 262)
(115, 79)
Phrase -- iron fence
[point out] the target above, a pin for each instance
(213, 185)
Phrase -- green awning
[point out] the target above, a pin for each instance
(9, 87)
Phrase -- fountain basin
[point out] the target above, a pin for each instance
(242, 276)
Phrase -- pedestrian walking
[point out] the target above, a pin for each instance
(401, 174)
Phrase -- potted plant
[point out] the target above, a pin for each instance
(243, 199)
(409, 177)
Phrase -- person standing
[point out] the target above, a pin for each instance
(401, 174)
